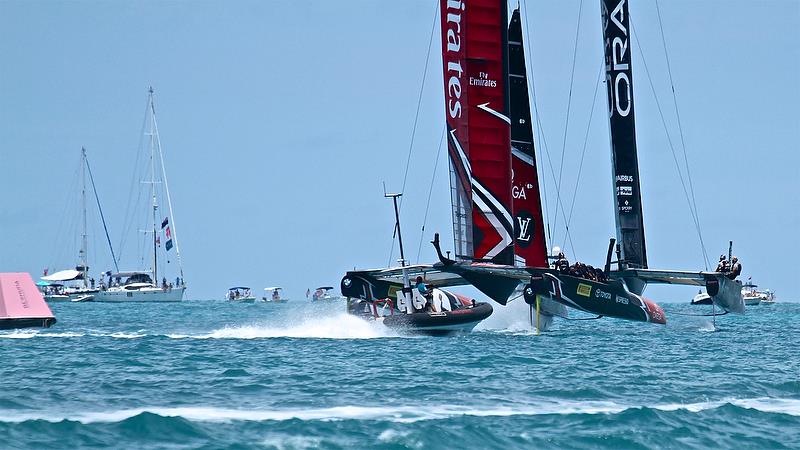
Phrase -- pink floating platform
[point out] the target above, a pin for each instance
(21, 303)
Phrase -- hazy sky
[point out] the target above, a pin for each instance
(280, 121)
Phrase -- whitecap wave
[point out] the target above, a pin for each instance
(399, 414)
(340, 326)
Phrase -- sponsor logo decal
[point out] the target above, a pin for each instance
(523, 228)
(624, 190)
(347, 282)
(622, 300)
(482, 80)
(584, 290)
(454, 69)
(602, 294)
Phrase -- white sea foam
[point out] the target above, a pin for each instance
(19, 334)
(340, 326)
(399, 414)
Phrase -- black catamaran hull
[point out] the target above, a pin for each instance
(439, 324)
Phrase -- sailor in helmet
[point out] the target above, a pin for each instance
(723, 266)
(736, 268)
(561, 263)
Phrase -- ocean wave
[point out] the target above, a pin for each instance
(399, 414)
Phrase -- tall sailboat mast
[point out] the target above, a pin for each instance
(84, 238)
(153, 184)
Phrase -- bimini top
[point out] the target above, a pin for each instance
(236, 288)
(326, 288)
(127, 274)
(273, 289)
(64, 275)
(19, 298)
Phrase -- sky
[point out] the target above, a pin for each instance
(281, 121)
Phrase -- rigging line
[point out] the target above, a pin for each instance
(102, 217)
(416, 118)
(585, 142)
(541, 136)
(430, 191)
(680, 126)
(129, 213)
(671, 145)
(569, 105)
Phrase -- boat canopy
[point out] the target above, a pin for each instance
(239, 287)
(64, 275)
(273, 289)
(325, 288)
(128, 274)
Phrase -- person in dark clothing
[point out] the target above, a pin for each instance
(562, 264)
(723, 266)
(736, 268)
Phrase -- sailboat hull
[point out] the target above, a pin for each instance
(145, 295)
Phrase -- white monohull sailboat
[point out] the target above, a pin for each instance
(76, 284)
(144, 285)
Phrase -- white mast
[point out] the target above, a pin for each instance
(153, 185)
(84, 239)
(174, 230)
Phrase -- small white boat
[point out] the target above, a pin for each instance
(273, 294)
(702, 298)
(324, 294)
(240, 294)
(83, 298)
(753, 296)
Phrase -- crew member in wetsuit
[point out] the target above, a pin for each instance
(561, 263)
(723, 266)
(736, 268)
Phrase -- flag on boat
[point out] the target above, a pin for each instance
(165, 222)
(168, 233)
(158, 240)
(168, 244)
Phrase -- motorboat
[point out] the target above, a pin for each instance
(753, 296)
(324, 294)
(273, 295)
(444, 313)
(240, 294)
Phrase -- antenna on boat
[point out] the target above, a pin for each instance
(406, 282)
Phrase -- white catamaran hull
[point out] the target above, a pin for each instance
(144, 295)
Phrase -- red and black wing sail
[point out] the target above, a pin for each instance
(474, 51)
(530, 248)
(619, 82)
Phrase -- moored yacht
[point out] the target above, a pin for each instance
(139, 287)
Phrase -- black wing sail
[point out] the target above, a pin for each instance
(619, 82)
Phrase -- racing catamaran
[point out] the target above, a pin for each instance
(498, 225)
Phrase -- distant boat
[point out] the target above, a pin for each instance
(53, 286)
(143, 285)
(240, 294)
(752, 296)
(21, 304)
(325, 294)
(273, 294)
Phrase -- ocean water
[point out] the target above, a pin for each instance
(217, 375)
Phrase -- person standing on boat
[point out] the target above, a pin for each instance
(425, 293)
(723, 266)
(736, 268)
(562, 264)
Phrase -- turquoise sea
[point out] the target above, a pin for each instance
(205, 374)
